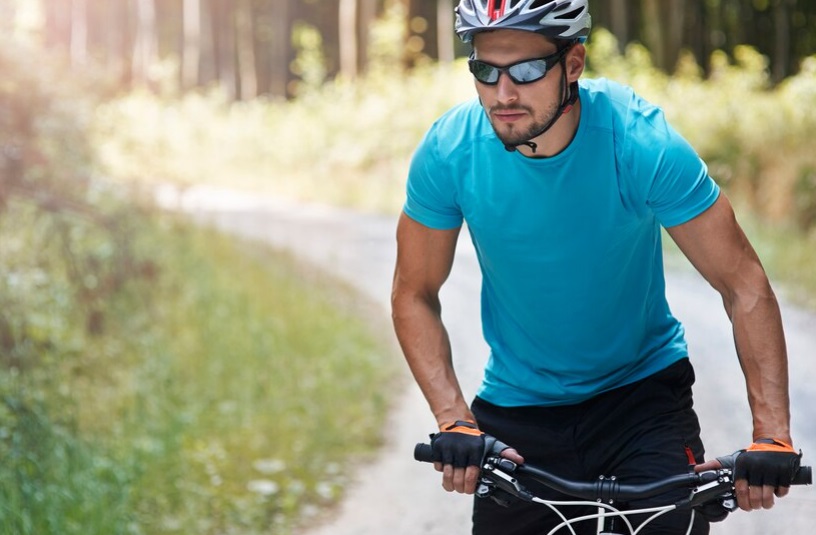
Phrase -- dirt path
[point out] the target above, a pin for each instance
(396, 496)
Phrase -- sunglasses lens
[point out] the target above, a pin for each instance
(483, 72)
(521, 73)
(529, 71)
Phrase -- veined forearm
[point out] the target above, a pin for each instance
(426, 346)
(760, 343)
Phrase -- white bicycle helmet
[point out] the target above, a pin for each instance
(556, 19)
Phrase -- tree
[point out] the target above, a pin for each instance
(79, 32)
(347, 30)
(445, 26)
(280, 48)
(222, 27)
(245, 43)
(663, 30)
(191, 52)
(145, 50)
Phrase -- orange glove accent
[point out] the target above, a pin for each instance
(770, 444)
(465, 427)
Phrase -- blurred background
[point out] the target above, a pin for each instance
(159, 377)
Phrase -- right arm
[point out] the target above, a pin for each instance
(424, 261)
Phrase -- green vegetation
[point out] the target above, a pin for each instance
(351, 143)
(158, 378)
(208, 402)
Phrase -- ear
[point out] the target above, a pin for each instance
(575, 61)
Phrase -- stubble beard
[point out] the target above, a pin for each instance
(513, 134)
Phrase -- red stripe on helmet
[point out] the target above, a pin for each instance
(495, 11)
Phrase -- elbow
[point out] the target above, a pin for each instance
(407, 303)
(746, 290)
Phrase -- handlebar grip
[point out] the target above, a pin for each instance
(423, 453)
(803, 476)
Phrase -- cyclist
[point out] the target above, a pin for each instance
(564, 185)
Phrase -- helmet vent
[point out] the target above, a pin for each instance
(571, 15)
(538, 3)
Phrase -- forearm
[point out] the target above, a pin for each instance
(426, 346)
(760, 343)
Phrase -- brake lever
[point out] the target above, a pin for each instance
(498, 474)
(716, 484)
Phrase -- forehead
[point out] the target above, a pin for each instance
(511, 45)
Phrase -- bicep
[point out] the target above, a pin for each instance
(718, 248)
(424, 257)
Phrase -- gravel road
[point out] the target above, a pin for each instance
(396, 496)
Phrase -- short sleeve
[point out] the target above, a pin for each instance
(675, 182)
(431, 190)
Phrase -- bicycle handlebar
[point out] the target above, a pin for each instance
(707, 485)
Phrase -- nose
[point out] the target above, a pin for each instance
(506, 90)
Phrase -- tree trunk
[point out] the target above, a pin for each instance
(191, 54)
(445, 27)
(280, 49)
(782, 41)
(145, 50)
(223, 31)
(367, 16)
(57, 24)
(347, 31)
(79, 32)
(663, 31)
(619, 21)
(246, 50)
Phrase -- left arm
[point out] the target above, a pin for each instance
(716, 245)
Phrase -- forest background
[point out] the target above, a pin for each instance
(156, 377)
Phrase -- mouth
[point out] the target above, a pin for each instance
(509, 116)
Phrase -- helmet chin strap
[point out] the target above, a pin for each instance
(564, 108)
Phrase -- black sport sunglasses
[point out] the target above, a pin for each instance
(522, 72)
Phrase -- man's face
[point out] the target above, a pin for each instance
(518, 112)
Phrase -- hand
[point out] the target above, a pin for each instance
(763, 471)
(458, 450)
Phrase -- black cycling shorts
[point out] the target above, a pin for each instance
(637, 433)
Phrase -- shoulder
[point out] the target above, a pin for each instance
(607, 93)
(618, 106)
(457, 129)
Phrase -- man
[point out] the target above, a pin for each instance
(564, 186)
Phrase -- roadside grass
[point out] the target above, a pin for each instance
(226, 395)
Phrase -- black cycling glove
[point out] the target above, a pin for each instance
(768, 462)
(460, 444)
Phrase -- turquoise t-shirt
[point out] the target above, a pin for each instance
(573, 291)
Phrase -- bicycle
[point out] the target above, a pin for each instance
(498, 480)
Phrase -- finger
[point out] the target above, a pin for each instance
(741, 492)
(459, 480)
(447, 477)
(756, 496)
(471, 479)
(708, 465)
(438, 466)
(767, 496)
(781, 492)
(513, 455)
